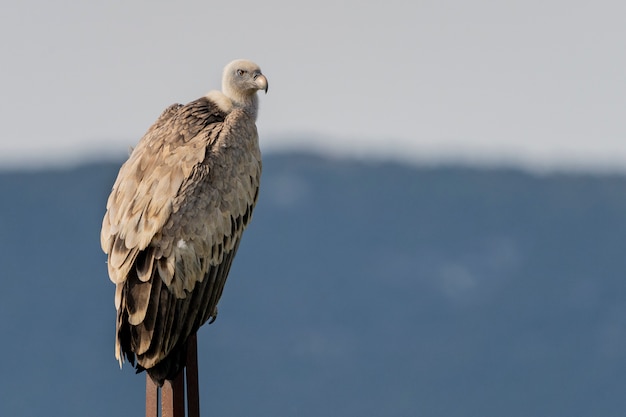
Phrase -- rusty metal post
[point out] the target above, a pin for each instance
(152, 398)
(191, 373)
(172, 393)
(173, 397)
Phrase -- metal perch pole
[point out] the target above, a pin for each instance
(172, 398)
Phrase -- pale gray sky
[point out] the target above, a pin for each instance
(538, 81)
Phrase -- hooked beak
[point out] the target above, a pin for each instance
(261, 82)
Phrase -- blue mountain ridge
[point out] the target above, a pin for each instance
(360, 289)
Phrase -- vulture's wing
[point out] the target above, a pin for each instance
(173, 223)
(141, 200)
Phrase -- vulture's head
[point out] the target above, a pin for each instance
(241, 80)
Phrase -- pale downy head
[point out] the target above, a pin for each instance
(241, 80)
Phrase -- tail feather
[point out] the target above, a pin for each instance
(169, 367)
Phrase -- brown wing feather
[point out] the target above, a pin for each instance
(173, 224)
(140, 202)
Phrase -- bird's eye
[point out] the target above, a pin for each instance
(240, 72)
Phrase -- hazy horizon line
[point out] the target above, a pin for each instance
(104, 151)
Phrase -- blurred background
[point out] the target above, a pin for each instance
(441, 221)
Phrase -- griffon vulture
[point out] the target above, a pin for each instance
(175, 217)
